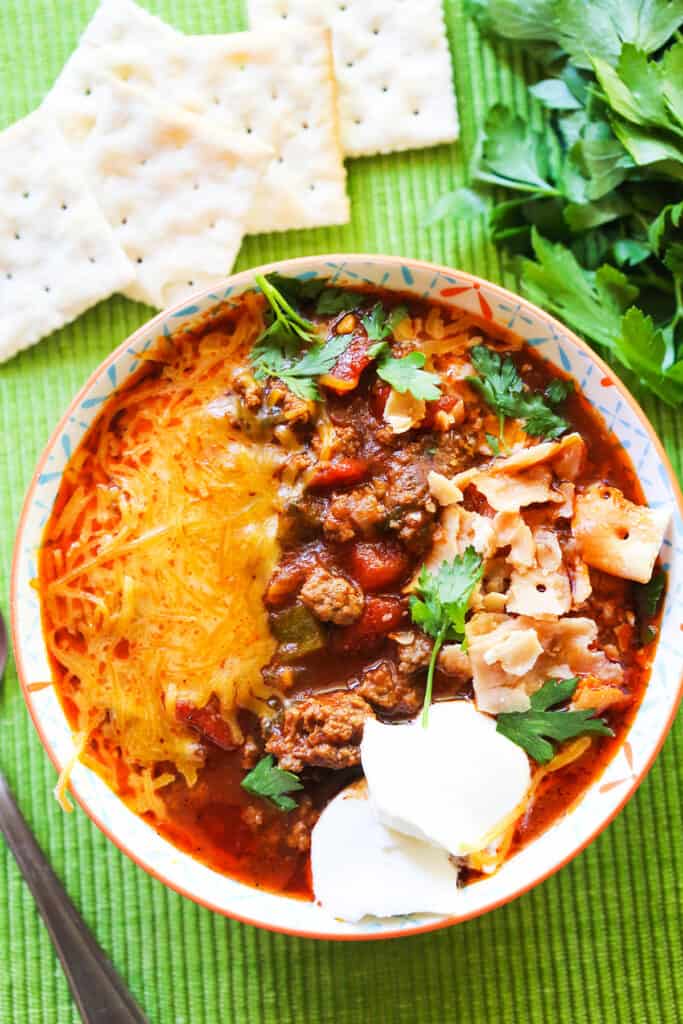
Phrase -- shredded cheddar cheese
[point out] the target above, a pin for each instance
(155, 563)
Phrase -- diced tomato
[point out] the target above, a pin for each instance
(445, 404)
(380, 616)
(208, 721)
(378, 399)
(340, 473)
(378, 566)
(345, 374)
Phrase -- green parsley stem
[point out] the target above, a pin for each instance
(438, 642)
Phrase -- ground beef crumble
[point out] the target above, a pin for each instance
(323, 731)
(332, 598)
(387, 689)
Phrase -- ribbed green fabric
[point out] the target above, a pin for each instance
(600, 942)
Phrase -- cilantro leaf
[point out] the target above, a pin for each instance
(461, 204)
(629, 252)
(512, 153)
(271, 782)
(534, 729)
(299, 374)
(558, 390)
(406, 374)
(440, 604)
(592, 303)
(298, 289)
(645, 92)
(502, 388)
(659, 229)
(379, 324)
(337, 300)
(493, 443)
(555, 94)
(647, 598)
(596, 27)
(285, 319)
(540, 420)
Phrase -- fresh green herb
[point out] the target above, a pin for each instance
(286, 324)
(648, 597)
(406, 374)
(493, 443)
(272, 783)
(298, 374)
(502, 388)
(440, 606)
(558, 390)
(594, 183)
(298, 290)
(528, 728)
(379, 324)
(336, 300)
(513, 154)
(461, 204)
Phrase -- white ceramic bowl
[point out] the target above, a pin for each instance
(555, 847)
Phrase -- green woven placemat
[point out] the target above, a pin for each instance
(600, 942)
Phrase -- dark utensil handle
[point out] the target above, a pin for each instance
(100, 994)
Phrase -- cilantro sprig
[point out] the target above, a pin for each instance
(286, 322)
(272, 783)
(648, 597)
(502, 388)
(440, 605)
(406, 373)
(299, 374)
(277, 352)
(533, 730)
(379, 324)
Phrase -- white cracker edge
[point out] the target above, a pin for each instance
(391, 60)
(176, 197)
(55, 243)
(305, 182)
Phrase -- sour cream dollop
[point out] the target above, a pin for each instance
(455, 784)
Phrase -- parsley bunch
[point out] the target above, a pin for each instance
(440, 605)
(502, 388)
(534, 729)
(594, 209)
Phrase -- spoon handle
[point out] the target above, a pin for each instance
(99, 993)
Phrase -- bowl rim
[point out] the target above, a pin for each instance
(155, 323)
